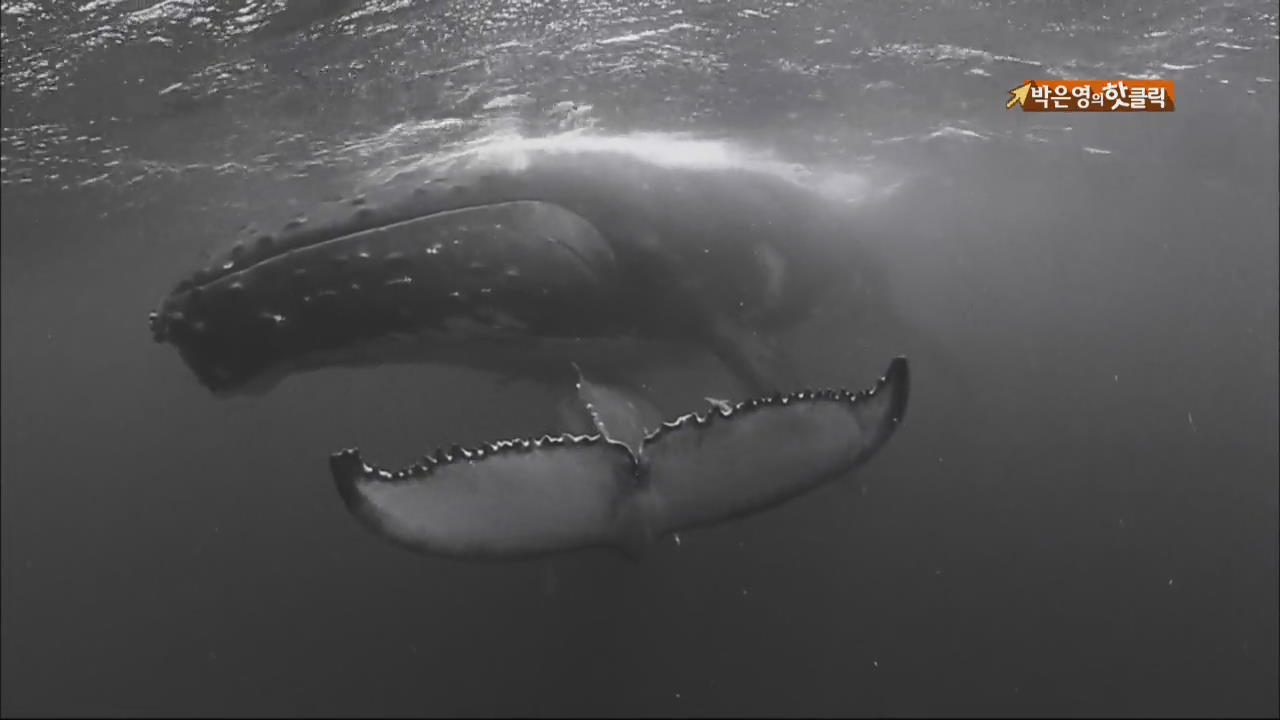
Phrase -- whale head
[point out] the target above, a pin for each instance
(363, 290)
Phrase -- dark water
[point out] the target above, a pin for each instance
(1079, 518)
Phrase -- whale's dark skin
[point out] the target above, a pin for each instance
(500, 259)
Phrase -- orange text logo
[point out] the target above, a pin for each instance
(1093, 96)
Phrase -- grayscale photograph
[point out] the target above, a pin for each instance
(666, 358)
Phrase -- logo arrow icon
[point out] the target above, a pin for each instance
(1019, 95)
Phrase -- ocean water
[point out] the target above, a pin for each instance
(1080, 516)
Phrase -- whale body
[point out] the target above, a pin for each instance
(528, 497)
(519, 259)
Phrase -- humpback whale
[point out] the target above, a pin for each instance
(519, 257)
(528, 497)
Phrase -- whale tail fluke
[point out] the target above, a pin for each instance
(525, 497)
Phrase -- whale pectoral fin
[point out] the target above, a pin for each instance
(507, 499)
